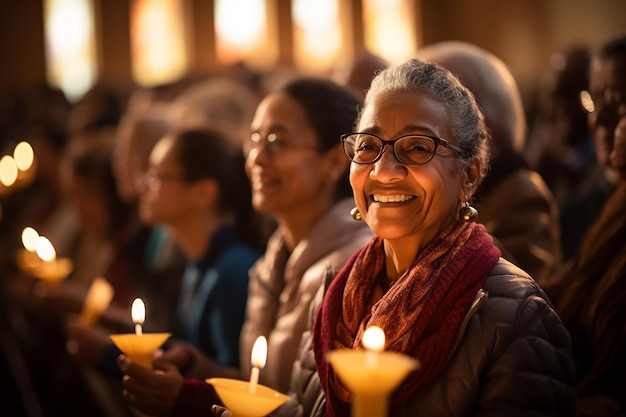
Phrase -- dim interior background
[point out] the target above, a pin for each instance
(523, 33)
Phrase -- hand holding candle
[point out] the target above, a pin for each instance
(139, 346)
(249, 399)
(259, 356)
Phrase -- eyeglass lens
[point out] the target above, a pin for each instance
(409, 150)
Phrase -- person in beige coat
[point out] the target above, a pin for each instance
(299, 175)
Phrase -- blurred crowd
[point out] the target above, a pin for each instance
(553, 201)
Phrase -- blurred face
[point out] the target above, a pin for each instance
(607, 85)
(128, 162)
(399, 201)
(90, 204)
(286, 172)
(165, 197)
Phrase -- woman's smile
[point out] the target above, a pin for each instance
(396, 198)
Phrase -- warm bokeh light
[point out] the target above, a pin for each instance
(158, 46)
(241, 33)
(24, 156)
(374, 338)
(390, 28)
(44, 249)
(8, 171)
(29, 238)
(317, 34)
(70, 46)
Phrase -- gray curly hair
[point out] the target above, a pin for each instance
(467, 122)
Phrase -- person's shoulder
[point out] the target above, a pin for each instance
(507, 280)
(515, 295)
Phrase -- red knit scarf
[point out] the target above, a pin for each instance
(420, 314)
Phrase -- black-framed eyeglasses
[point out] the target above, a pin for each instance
(274, 143)
(367, 148)
(610, 97)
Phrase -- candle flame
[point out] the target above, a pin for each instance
(29, 238)
(23, 156)
(44, 249)
(374, 338)
(138, 311)
(8, 171)
(259, 352)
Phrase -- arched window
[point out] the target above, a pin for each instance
(158, 43)
(70, 46)
(389, 27)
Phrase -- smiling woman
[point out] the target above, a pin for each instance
(432, 279)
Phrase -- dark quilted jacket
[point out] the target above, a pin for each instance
(513, 358)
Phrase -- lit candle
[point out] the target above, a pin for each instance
(97, 299)
(374, 342)
(259, 356)
(371, 375)
(24, 156)
(138, 314)
(45, 250)
(27, 259)
(29, 239)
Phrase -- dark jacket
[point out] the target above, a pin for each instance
(513, 358)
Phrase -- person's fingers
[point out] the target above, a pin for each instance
(138, 372)
(219, 411)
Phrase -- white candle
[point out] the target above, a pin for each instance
(138, 314)
(374, 342)
(259, 356)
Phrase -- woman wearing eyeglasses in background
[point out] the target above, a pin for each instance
(487, 337)
(196, 187)
(299, 175)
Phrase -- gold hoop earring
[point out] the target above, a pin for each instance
(356, 214)
(467, 213)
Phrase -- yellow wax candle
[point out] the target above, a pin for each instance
(139, 346)
(51, 270)
(97, 299)
(371, 375)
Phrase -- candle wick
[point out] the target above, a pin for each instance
(138, 329)
(254, 379)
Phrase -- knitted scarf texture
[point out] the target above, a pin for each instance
(420, 313)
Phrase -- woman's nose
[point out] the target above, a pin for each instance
(388, 168)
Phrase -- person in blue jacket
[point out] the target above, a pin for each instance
(196, 186)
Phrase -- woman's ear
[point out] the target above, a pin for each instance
(472, 176)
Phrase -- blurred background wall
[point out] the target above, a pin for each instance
(523, 33)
